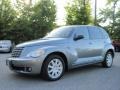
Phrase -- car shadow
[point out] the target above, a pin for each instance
(68, 74)
(26, 77)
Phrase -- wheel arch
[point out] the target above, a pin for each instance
(60, 54)
(109, 48)
(112, 51)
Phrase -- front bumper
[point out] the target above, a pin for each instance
(26, 66)
(4, 49)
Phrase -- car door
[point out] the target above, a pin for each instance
(82, 46)
(96, 43)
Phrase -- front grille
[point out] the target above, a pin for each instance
(25, 69)
(18, 68)
(17, 52)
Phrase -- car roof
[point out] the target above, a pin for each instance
(72, 26)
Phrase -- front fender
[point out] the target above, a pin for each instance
(70, 54)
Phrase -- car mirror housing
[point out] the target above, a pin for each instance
(78, 37)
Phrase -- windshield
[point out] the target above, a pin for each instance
(62, 32)
(5, 42)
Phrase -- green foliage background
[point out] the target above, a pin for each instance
(111, 15)
(26, 22)
(22, 22)
(78, 12)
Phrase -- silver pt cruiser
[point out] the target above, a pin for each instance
(62, 49)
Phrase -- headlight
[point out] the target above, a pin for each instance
(36, 53)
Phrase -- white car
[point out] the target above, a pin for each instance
(6, 46)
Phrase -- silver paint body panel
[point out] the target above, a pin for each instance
(78, 53)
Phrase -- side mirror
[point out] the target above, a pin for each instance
(78, 37)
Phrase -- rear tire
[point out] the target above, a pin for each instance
(53, 68)
(108, 60)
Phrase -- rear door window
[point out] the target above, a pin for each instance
(95, 33)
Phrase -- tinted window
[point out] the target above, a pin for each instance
(95, 33)
(82, 31)
(104, 33)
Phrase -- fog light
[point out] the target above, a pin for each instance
(29, 69)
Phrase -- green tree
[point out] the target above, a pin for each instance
(43, 18)
(33, 21)
(110, 18)
(21, 28)
(78, 12)
(7, 17)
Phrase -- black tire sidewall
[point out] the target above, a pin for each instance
(45, 67)
(105, 61)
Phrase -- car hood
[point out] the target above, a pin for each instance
(44, 41)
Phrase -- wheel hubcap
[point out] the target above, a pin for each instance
(109, 59)
(55, 68)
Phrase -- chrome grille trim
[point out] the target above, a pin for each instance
(17, 52)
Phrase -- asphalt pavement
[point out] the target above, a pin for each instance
(93, 77)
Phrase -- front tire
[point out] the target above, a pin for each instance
(108, 60)
(53, 68)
